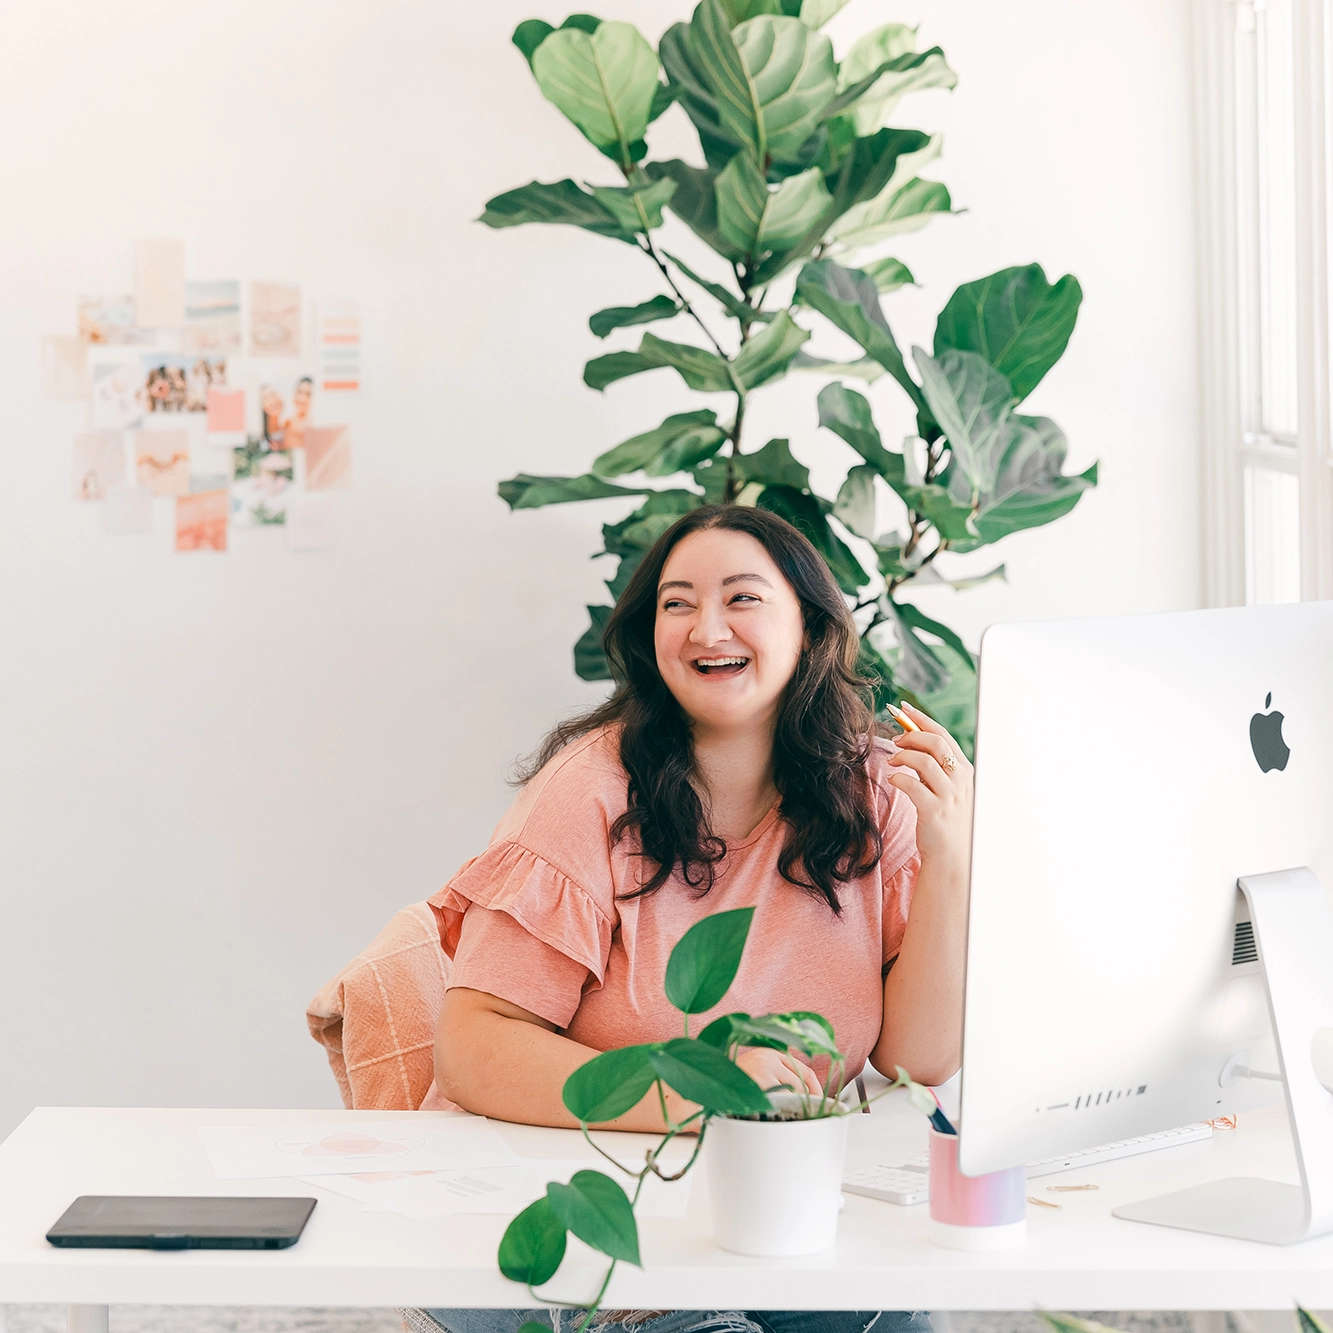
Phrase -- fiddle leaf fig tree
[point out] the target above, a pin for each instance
(802, 182)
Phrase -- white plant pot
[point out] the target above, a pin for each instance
(776, 1186)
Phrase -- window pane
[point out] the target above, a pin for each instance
(1277, 217)
(1272, 537)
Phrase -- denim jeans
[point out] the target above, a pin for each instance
(696, 1321)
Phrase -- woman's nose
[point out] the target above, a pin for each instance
(710, 626)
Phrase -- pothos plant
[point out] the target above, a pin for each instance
(597, 1208)
(801, 183)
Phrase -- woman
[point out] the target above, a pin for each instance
(735, 765)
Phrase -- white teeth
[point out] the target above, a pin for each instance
(721, 661)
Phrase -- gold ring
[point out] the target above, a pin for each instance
(948, 763)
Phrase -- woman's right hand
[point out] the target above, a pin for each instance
(770, 1068)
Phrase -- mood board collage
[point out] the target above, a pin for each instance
(231, 399)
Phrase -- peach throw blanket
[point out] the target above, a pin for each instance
(376, 1018)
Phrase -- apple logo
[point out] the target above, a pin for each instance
(1266, 739)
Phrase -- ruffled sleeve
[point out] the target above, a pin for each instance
(507, 877)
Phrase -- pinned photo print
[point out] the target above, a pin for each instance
(180, 381)
(263, 487)
(162, 460)
(275, 319)
(109, 321)
(99, 463)
(201, 521)
(212, 316)
(117, 390)
(284, 411)
(328, 458)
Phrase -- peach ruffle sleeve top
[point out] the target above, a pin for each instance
(537, 918)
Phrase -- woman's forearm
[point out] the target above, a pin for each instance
(923, 993)
(498, 1060)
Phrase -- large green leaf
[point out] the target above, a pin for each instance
(1015, 319)
(529, 35)
(598, 1212)
(609, 1084)
(589, 656)
(804, 512)
(533, 1245)
(638, 208)
(739, 10)
(720, 1033)
(811, 1034)
(771, 79)
(700, 369)
(1309, 1322)
(694, 202)
(685, 70)
(972, 403)
(603, 81)
(622, 316)
(850, 300)
(888, 274)
(678, 443)
(703, 1075)
(768, 353)
(918, 620)
(919, 667)
(898, 209)
(734, 306)
(528, 492)
(855, 506)
(816, 13)
(704, 962)
(561, 202)
(758, 219)
(894, 46)
(847, 413)
(954, 706)
(773, 465)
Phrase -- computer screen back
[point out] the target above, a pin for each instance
(1129, 770)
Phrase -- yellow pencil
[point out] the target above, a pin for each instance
(902, 719)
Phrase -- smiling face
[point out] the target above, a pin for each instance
(728, 631)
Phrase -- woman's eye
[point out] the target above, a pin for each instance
(744, 597)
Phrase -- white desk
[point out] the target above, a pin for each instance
(1078, 1258)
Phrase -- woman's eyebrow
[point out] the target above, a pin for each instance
(675, 583)
(736, 578)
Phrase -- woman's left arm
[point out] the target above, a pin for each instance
(922, 1027)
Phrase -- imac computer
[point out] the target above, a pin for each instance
(1149, 940)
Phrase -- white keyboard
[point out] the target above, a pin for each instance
(908, 1182)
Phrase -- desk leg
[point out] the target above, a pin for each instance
(86, 1319)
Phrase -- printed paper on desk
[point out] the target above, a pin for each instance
(444, 1142)
(504, 1190)
(159, 284)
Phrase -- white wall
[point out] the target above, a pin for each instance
(221, 775)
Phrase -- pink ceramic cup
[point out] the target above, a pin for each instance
(974, 1212)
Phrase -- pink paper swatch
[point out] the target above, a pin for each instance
(226, 409)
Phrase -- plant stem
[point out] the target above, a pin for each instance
(602, 1151)
(591, 1310)
(650, 250)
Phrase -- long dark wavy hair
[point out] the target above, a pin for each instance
(825, 727)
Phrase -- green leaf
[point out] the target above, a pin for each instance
(533, 1245)
(955, 706)
(720, 1034)
(622, 316)
(846, 413)
(694, 203)
(855, 506)
(808, 1033)
(767, 355)
(1310, 1322)
(678, 443)
(625, 202)
(898, 209)
(804, 513)
(609, 1084)
(771, 79)
(1015, 319)
(773, 465)
(598, 1212)
(583, 22)
(529, 492)
(603, 81)
(892, 46)
(1030, 489)
(864, 369)
(700, 369)
(918, 620)
(735, 307)
(589, 656)
(816, 13)
(758, 219)
(850, 300)
(704, 962)
(739, 10)
(919, 667)
(685, 71)
(529, 35)
(702, 1074)
(1068, 1323)
(888, 274)
(561, 202)
(664, 95)
(532, 1326)
(972, 403)
(930, 574)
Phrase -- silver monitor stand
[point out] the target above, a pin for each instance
(1293, 929)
